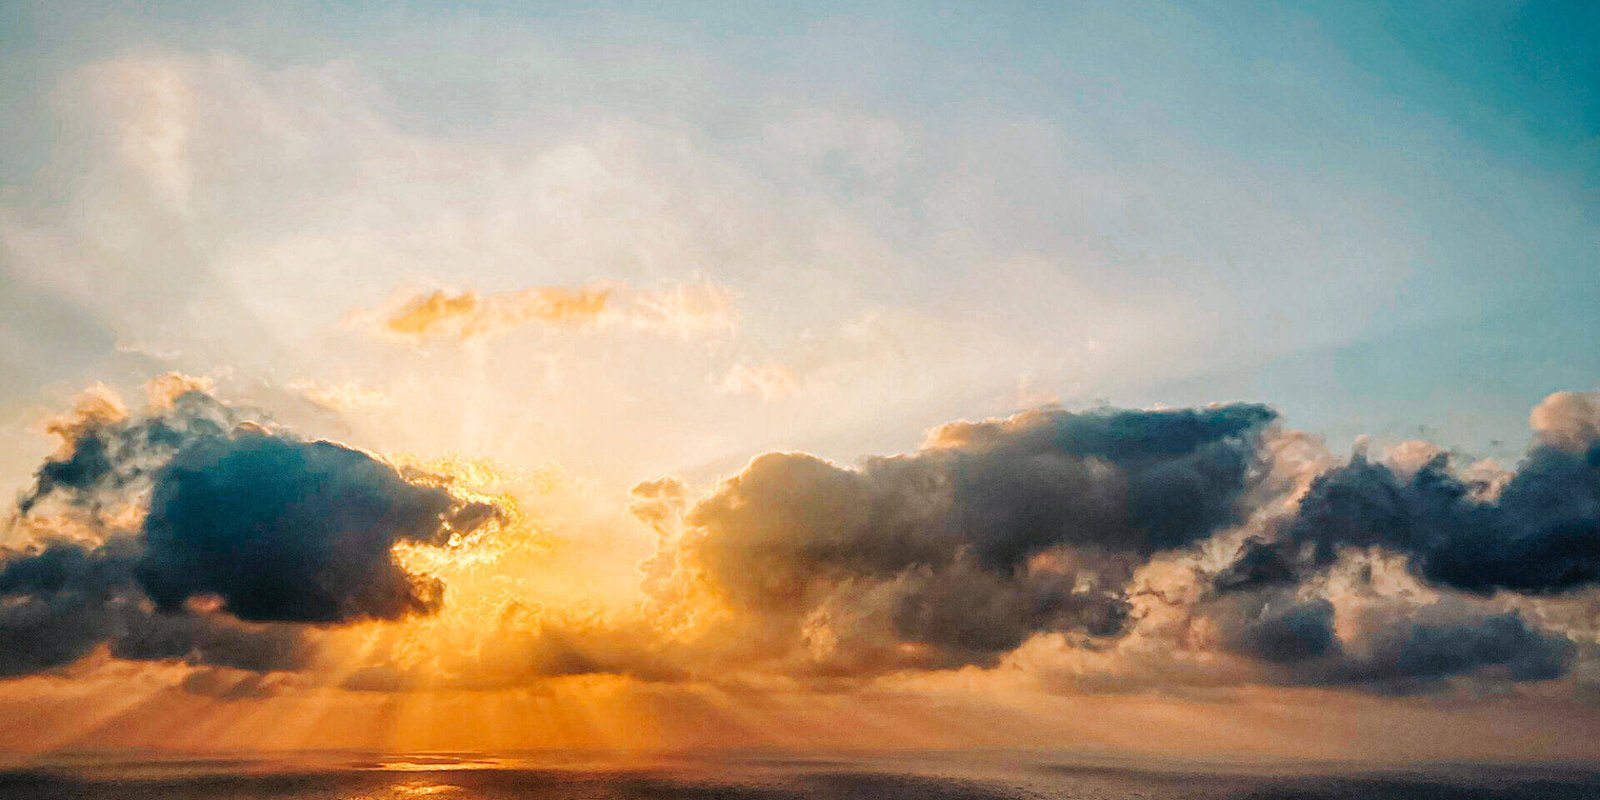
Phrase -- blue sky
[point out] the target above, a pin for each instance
(1378, 217)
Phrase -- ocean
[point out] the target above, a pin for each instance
(768, 776)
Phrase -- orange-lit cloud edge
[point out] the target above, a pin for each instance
(1198, 581)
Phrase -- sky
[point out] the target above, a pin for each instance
(530, 375)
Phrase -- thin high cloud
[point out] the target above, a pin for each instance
(682, 310)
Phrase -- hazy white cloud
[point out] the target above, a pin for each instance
(348, 396)
(768, 381)
(149, 105)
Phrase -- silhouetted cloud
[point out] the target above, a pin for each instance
(62, 600)
(1208, 538)
(55, 604)
(1537, 533)
(992, 532)
(1281, 629)
(283, 530)
(108, 455)
(1396, 649)
(240, 525)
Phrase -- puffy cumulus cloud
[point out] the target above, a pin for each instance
(1406, 572)
(798, 569)
(1112, 550)
(1135, 481)
(683, 310)
(958, 553)
(212, 539)
(55, 598)
(1569, 420)
(292, 531)
(1535, 530)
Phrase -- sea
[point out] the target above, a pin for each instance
(770, 776)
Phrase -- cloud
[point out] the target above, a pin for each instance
(1101, 550)
(769, 381)
(241, 535)
(683, 310)
(150, 107)
(347, 396)
(1396, 648)
(64, 599)
(1281, 629)
(1569, 420)
(1155, 549)
(282, 530)
(956, 554)
(57, 602)
(1531, 532)
(467, 315)
(107, 456)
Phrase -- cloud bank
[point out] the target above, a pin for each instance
(1102, 550)
(1113, 549)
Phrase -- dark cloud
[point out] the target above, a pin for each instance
(1542, 535)
(1139, 481)
(1539, 535)
(1444, 639)
(1534, 532)
(1278, 628)
(56, 605)
(1416, 650)
(60, 601)
(970, 615)
(213, 639)
(283, 530)
(1396, 649)
(110, 457)
(1101, 527)
(997, 531)
(246, 533)
(992, 532)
